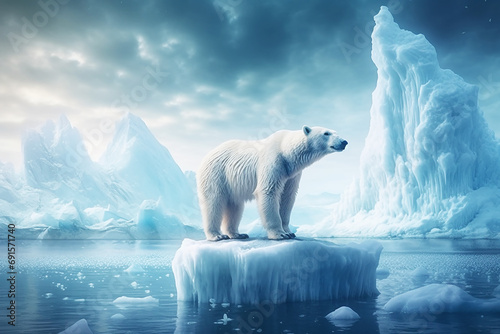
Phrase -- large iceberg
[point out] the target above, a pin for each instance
(430, 166)
(136, 190)
(264, 271)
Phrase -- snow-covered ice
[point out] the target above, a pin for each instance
(260, 271)
(430, 165)
(440, 298)
(79, 327)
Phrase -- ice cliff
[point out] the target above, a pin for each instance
(267, 272)
(430, 165)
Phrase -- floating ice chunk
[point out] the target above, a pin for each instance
(419, 275)
(79, 327)
(124, 301)
(134, 285)
(440, 298)
(344, 316)
(134, 269)
(496, 292)
(343, 313)
(118, 317)
(420, 272)
(254, 271)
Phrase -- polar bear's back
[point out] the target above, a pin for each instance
(231, 170)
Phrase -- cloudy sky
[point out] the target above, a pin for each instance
(202, 72)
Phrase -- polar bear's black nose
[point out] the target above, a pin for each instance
(343, 144)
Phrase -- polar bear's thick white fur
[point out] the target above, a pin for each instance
(268, 169)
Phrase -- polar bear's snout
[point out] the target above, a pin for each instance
(339, 145)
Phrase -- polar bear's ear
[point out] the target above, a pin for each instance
(307, 130)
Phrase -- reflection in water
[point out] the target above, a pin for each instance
(61, 282)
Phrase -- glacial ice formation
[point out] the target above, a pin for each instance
(135, 155)
(263, 271)
(430, 165)
(136, 191)
(440, 298)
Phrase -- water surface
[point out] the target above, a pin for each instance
(59, 282)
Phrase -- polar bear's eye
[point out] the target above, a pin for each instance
(327, 133)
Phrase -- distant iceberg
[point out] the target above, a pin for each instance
(430, 166)
(265, 271)
(136, 191)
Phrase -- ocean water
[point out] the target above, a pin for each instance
(59, 282)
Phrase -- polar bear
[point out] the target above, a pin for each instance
(268, 170)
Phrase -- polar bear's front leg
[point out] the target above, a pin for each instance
(287, 200)
(231, 220)
(211, 210)
(268, 198)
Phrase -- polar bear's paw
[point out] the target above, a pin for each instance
(238, 236)
(280, 235)
(217, 237)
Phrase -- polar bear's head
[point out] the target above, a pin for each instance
(324, 140)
